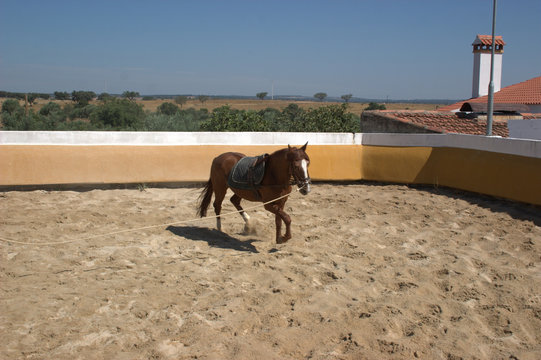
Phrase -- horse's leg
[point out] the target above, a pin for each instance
(279, 216)
(287, 220)
(219, 195)
(235, 199)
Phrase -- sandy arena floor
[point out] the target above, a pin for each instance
(372, 272)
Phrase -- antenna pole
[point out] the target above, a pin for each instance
(490, 109)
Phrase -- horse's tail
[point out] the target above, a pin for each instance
(204, 199)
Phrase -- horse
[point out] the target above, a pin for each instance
(280, 167)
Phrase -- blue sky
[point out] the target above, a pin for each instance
(376, 49)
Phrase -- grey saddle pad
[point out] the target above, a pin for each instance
(244, 175)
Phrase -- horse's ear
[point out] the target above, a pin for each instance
(288, 147)
(303, 148)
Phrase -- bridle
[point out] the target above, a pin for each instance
(301, 183)
(296, 181)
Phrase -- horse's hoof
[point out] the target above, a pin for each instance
(282, 240)
(250, 229)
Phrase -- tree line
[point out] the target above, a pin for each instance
(320, 96)
(124, 114)
(30, 97)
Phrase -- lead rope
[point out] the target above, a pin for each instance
(144, 227)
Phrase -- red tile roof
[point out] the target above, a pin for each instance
(487, 40)
(452, 107)
(527, 92)
(444, 122)
(482, 107)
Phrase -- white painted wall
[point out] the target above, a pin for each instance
(525, 129)
(171, 138)
(530, 148)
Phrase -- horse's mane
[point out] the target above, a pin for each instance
(285, 150)
(279, 152)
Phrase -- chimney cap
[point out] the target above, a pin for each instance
(487, 40)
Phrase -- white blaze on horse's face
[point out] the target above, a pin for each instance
(306, 186)
(304, 165)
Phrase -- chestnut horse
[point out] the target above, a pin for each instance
(280, 166)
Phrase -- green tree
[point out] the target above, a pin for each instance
(11, 95)
(261, 95)
(52, 117)
(202, 98)
(104, 96)
(332, 118)
(61, 95)
(290, 117)
(21, 121)
(80, 112)
(221, 119)
(270, 119)
(346, 97)
(375, 106)
(130, 95)
(31, 97)
(168, 108)
(181, 100)
(77, 125)
(320, 96)
(118, 114)
(11, 106)
(226, 119)
(184, 120)
(82, 98)
(50, 108)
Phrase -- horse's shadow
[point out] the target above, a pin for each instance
(213, 237)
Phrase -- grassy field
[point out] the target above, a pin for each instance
(248, 104)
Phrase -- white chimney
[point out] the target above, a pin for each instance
(482, 46)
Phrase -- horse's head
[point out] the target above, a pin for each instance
(299, 162)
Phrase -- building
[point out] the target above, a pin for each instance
(514, 103)
(429, 122)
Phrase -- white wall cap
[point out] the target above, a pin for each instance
(522, 147)
(170, 138)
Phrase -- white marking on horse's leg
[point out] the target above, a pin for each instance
(248, 226)
(219, 224)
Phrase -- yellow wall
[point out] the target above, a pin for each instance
(509, 176)
(503, 175)
(61, 164)
(335, 162)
